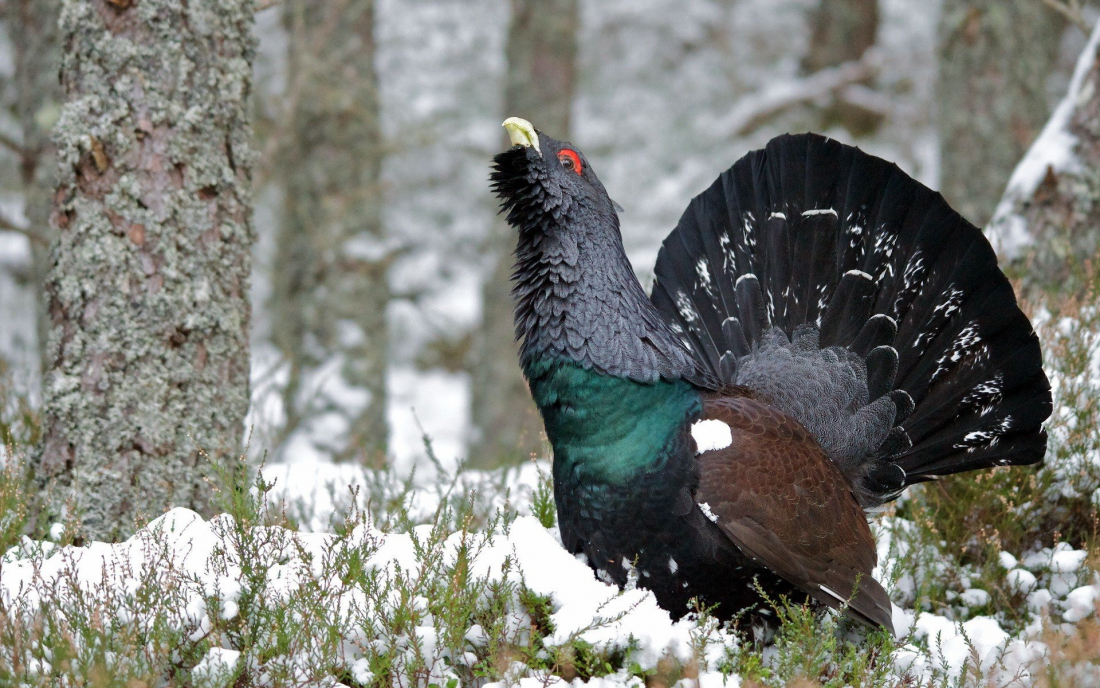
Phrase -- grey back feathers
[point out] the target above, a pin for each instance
(823, 389)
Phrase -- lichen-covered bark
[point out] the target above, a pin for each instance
(330, 275)
(1048, 223)
(149, 282)
(541, 53)
(38, 104)
(995, 57)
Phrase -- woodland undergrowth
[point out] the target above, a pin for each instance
(954, 546)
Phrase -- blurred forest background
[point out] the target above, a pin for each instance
(369, 286)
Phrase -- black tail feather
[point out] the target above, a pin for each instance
(811, 232)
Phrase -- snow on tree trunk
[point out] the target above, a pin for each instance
(1049, 217)
(995, 57)
(541, 53)
(149, 283)
(330, 277)
(38, 104)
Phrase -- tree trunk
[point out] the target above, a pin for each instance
(149, 282)
(331, 287)
(842, 30)
(38, 104)
(541, 55)
(994, 60)
(1048, 223)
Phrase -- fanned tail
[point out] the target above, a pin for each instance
(853, 297)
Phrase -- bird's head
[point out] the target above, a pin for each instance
(545, 184)
(577, 297)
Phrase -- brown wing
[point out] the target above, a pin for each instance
(782, 501)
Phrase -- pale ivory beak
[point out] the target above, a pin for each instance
(521, 133)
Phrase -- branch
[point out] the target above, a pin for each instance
(753, 111)
(1071, 10)
(8, 225)
(13, 145)
(262, 5)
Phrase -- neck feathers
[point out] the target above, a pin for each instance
(578, 300)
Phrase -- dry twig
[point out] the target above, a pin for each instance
(755, 110)
(30, 233)
(1071, 10)
(12, 145)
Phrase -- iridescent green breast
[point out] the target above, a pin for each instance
(605, 428)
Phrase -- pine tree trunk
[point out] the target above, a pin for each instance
(995, 57)
(149, 282)
(38, 104)
(1048, 223)
(331, 288)
(541, 55)
(841, 31)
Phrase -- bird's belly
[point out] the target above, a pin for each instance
(685, 560)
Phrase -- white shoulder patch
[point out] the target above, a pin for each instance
(711, 434)
(705, 508)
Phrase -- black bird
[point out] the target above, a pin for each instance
(836, 328)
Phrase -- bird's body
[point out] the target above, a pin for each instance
(838, 374)
(625, 476)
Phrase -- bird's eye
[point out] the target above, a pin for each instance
(570, 161)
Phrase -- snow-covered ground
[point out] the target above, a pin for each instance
(371, 570)
(206, 570)
(206, 575)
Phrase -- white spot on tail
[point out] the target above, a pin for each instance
(951, 302)
(858, 273)
(672, 565)
(747, 221)
(729, 258)
(988, 438)
(711, 434)
(820, 211)
(777, 216)
(967, 344)
(702, 269)
(686, 307)
(836, 596)
(985, 396)
(914, 269)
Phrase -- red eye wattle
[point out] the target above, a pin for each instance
(570, 161)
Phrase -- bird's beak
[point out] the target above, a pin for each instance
(521, 133)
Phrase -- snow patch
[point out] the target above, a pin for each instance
(1055, 150)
